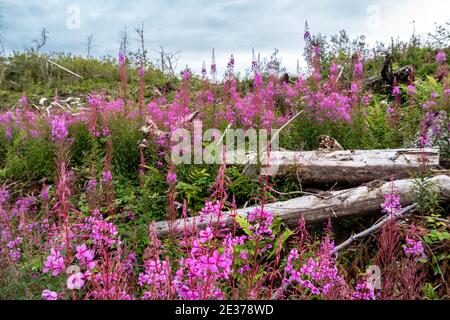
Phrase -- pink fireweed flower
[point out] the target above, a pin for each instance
(257, 80)
(206, 235)
(262, 221)
(307, 35)
(59, 128)
(49, 295)
(4, 195)
(85, 256)
(441, 57)
(364, 291)
(204, 72)
(334, 69)
(141, 72)
(315, 275)
(101, 232)
(91, 185)
(107, 176)
(211, 210)
(186, 74)
(391, 205)
(24, 101)
(14, 249)
(75, 281)
(54, 263)
(106, 132)
(213, 68)
(45, 196)
(122, 59)
(414, 248)
(396, 90)
(359, 69)
(172, 177)
(390, 109)
(411, 90)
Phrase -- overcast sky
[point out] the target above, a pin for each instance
(194, 27)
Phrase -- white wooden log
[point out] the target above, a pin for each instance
(351, 166)
(358, 201)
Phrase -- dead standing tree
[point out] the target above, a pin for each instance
(168, 61)
(89, 45)
(42, 41)
(124, 42)
(385, 82)
(142, 52)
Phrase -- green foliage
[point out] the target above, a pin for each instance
(82, 148)
(30, 72)
(30, 159)
(426, 195)
(194, 184)
(125, 138)
(241, 186)
(434, 237)
(429, 293)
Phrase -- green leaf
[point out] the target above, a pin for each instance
(429, 293)
(244, 225)
(284, 236)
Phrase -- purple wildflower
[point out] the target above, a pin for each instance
(172, 177)
(414, 248)
(441, 57)
(49, 295)
(107, 176)
(59, 129)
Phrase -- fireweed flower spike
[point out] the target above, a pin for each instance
(441, 57)
(414, 248)
(122, 59)
(59, 128)
(171, 177)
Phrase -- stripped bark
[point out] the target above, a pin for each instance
(350, 166)
(358, 201)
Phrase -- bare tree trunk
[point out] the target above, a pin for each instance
(358, 201)
(351, 166)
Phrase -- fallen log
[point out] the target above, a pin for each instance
(350, 166)
(358, 201)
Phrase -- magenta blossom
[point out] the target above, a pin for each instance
(414, 248)
(107, 176)
(24, 101)
(396, 91)
(59, 128)
(141, 72)
(391, 204)
(49, 295)
(54, 262)
(122, 59)
(172, 177)
(75, 281)
(85, 256)
(411, 90)
(440, 57)
(206, 235)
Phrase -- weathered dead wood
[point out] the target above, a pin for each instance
(385, 82)
(351, 166)
(358, 201)
(377, 226)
